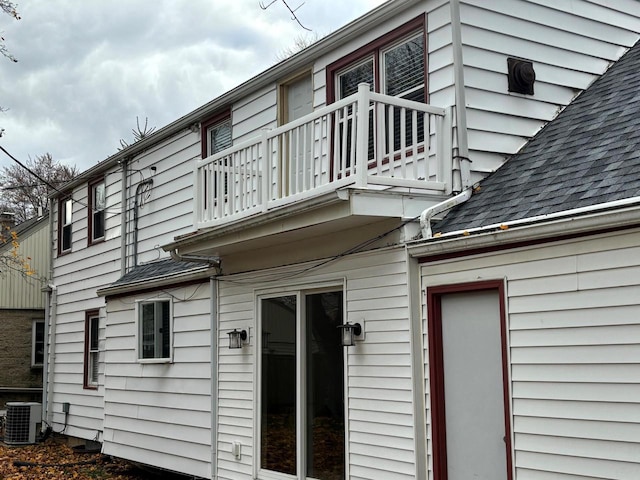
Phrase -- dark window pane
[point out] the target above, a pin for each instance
(147, 330)
(220, 136)
(404, 67)
(324, 395)
(166, 330)
(349, 80)
(98, 225)
(93, 333)
(38, 357)
(278, 388)
(66, 237)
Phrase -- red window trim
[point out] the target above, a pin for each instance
(61, 202)
(90, 240)
(436, 370)
(85, 377)
(418, 23)
(204, 126)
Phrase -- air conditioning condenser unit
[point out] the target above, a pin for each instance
(22, 422)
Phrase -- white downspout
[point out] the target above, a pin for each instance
(429, 213)
(123, 220)
(52, 352)
(461, 101)
(213, 291)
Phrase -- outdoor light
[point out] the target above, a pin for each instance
(236, 338)
(349, 332)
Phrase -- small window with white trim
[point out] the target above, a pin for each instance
(91, 349)
(154, 330)
(37, 343)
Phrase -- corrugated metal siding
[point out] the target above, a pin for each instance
(380, 389)
(574, 321)
(160, 414)
(19, 291)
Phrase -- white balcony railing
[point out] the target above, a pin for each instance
(367, 140)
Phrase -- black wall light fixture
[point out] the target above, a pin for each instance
(521, 76)
(348, 333)
(237, 338)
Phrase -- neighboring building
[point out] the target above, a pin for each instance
(22, 312)
(286, 206)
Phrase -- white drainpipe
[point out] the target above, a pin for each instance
(461, 102)
(429, 213)
(51, 363)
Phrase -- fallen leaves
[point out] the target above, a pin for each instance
(55, 460)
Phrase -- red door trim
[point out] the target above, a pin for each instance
(436, 371)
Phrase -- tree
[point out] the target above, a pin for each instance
(23, 194)
(300, 42)
(10, 9)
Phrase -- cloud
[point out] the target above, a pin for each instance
(87, 69)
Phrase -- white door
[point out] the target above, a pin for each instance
(299, 104)
(472, 361)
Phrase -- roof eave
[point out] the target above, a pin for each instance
(280, 70)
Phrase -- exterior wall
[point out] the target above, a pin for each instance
(76, 277)
(382, 427)
(573, 321)
(160, 414)
(16, 290)
(167, 210)
(570, 44)
(165, 213)
(16, 371)
(21, 303)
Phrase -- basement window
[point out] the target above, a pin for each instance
(155, 330)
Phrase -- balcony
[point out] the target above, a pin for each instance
(368, 142)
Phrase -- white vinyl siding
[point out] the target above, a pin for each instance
(570, 45)
(159, 414)
(379, 393)
(573, 319)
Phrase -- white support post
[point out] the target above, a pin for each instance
(266, 168)
(198, 210)
(362, 136)
(447, 149)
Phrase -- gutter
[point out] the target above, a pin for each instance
(618, 214)
(47, 385)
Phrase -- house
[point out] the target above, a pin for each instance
(22, 308)
(533, 300)
(205, 275)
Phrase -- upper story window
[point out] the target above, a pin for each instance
(393, 65)
(97, 204)
(65, 224)
(216, 134)
(154, 331)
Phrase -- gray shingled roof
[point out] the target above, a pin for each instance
(589, 154)
(157, 269)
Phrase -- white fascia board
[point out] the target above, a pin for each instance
(542, 230)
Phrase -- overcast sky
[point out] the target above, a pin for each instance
(87, 68)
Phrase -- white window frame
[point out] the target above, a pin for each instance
(66, 222)
(139, 339)
(96, 211)
(34, 327)
(299, 291)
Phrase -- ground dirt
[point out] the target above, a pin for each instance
(55, 460)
